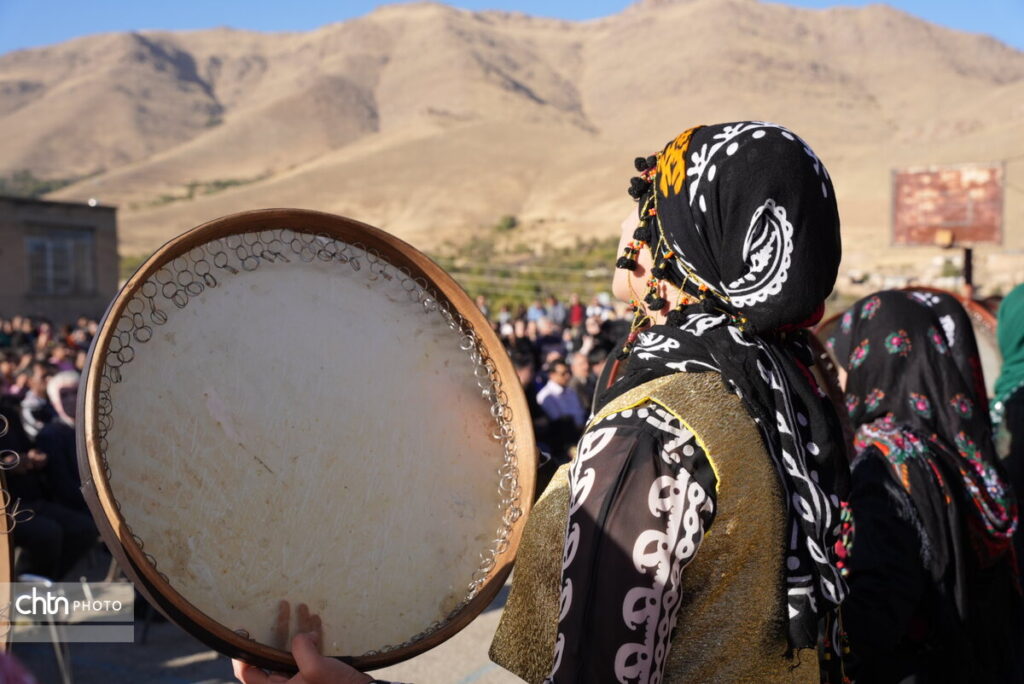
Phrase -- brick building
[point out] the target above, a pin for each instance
(57, 259)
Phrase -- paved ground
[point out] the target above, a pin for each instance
(170, 656)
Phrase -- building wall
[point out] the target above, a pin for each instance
(27, 224)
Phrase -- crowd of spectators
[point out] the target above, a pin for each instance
(559, 350)
(40, 367)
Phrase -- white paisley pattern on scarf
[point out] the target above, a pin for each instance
(650, 343)
(767, 252)
(698, 324)
(764, 250)
(812, 520)
(949, 328)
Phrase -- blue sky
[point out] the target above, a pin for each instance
(30, 23)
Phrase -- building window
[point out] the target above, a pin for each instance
(61, 261)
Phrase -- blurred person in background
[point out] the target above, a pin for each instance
(552, 357)
(583, 381)
(23, 337)
(577, 312)
(598, 358)
(588, 336)
(521, 341)
(556, 311)
(531, 331)
(19, 387)
(44, 339)
(543, 431)
(568, 339)
(25, 360)
(932, 577)
(481, 303)
(35, 406)
(7, 372)
(64, 337)
(61, 358)
(549, 338)
(1008, 404)
(55, 536)
(535, 311)
(505, 314)
(57, 440)
(563, 409)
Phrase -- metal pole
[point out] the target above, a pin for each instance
(968, 273)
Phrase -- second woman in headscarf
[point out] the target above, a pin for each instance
(933, 595)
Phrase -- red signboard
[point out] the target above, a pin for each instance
(948, 205)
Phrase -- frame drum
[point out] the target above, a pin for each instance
(289, 405)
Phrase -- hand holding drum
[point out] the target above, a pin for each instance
(314, 668)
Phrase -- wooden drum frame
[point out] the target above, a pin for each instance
(262, 240)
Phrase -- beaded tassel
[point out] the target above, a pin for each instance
(654, 301)
(628, 259)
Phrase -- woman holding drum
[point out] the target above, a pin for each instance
(697, 535)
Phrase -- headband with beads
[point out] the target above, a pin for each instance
(649, 233)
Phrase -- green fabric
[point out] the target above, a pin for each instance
(1010, 333)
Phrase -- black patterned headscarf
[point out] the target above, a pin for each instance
(959, 332)
(914, 397)
(742, 218)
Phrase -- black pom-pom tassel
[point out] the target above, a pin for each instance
(652, 161)
(642, 234)
(626, 264)
(639, 184)
(675, 317)
(640, 163)
(659, 272)
(657, 303)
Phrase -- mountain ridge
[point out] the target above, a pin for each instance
(433, 121)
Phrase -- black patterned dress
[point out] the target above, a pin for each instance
(659, 554)
(643, 455)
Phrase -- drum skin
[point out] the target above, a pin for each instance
(291, 405)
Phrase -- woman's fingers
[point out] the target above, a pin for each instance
(306, 652)
(247, 674)
(317, 630)
(281, 625)
(302, 619)
(250, 674)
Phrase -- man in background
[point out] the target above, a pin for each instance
(583, 381)
(560, 403)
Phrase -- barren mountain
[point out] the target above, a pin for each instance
(433, 122)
